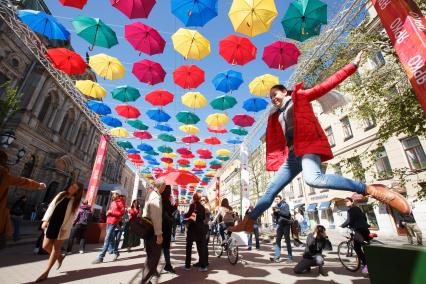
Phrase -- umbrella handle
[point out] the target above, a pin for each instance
(91, 47)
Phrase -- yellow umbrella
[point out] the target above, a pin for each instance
(223, 152)
(90, 89)
(190, 129)
(167, 164)
(216, 119)
(260, 86)
(106, 66)
(119, 132)
(191, 44)
(252, 17)
(194, 100)
(199, 162)
(170, 155)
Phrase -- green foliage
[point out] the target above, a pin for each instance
(9, 102)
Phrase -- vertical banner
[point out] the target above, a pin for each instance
(92, 190)
(135, 187)
(217, 192)
(245, 179)
(406, 27)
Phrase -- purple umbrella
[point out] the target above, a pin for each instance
(134, 8)
(149, 72)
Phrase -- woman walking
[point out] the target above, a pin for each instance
(57, 222)
(168, 209)
(225, 211)
(132, 239)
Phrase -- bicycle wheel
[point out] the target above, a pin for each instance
(347, 256)
(232, 252)
(217, 245)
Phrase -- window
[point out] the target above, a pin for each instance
(347, 130)
(384, 169)
(330, 136)
(42, 116)
(67, 125)
(356, 167)
(414, 152)
(369, 123)
(291, 193)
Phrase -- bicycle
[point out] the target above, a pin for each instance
(229, 245)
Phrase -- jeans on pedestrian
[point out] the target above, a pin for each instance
(310, 164)
(223, 227)
(283, 230)
(109, 240)
(307, 263)
(256, 236)
(78, 231)
(16, 220)
(182, 228)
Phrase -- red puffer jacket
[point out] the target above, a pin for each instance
(117, 210)
(309, 138)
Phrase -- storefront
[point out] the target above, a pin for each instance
(326, 214)
(312, 215)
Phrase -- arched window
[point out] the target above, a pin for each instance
(81, 137)
(67, 125)
(42, 115)
(28, 167)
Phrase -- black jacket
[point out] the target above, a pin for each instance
(196, 230)
(356, 219)
(407, 218)
(283, 216)
(315, 246)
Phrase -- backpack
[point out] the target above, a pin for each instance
(85, 217)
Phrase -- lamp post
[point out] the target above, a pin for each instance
(6, 139)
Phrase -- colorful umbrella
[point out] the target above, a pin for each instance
(107, 67)
(149, 157)
(79, 4)
(111, 121)
(66, 60)
(190, 139)
(127, 111)
(94, 31)
(148, 72)
(119, 132)
(190, 129)
(223, 158)
(217, 129)
(194, 100)
(223, 102)
(252, 17)
(188, 76)
(228, 81)
(216, 167)
(158, 115)
(134, 156)
(125, 144)
(243, 120)
(159, 97)
(281, 55)
(183, 162)
(165, 149)
(44, 24)
(138, 124)
(144, 38)
(167, 160)
(239, 131)
(163, 127)
(180, 177)
(184, 151)
(194, 12)
(216, 119)
(212, 141)
(255, 104)
(234, 141)
(90, 89)
(237, 50)
(204, 152)
(134, 8)
(190, 44)
(133, 151)
(142, 134)
(261, 85)
(199, 163)
(222, 152)
(166, 137)
(206, 157)
(145, 147)
(125, 94)
(98, 107)
(153, 163)
(187, 117)
(170, 155)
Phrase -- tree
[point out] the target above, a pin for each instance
(9, 102)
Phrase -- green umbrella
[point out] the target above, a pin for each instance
(165, 149)
(222, 158)
(125, 94)
(223, 102)
(184, 166)
(187, 117)
(125, 144)
(94, 31)
(239, 131)
(136, 123)
(166, 137)
(215, 162)
(303, 19)
(152, 153)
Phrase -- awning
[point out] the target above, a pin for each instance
(324, 205)
(312, 207)
(299, 205)
(106, 186)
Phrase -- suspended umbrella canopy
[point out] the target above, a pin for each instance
(163, 127)
(184, 166)
(188, 76)
(255, 104)
(281, 55)
(190, 139)
(304, 18)
(125, 94)
(145, 147)
(111, 121)
(134, 9)
(153, 163)
(184, 151)
(119, 132)
(197, 170)
(217, 119)
(79, 4)
(243, 120)
(187, 117)
(144, 38)
(228, 81)
(183, 162)
(149, 157)
(234, 141)
(223, 102)
(44, 24)
(106, 66)
(217, 129)
(239, 131)
(149, 72)
(216, 167)
(180, 177)
(203, 151)
(199, 162)
(165, 149)
(127, 111)
(166, 137)
(133, 151)
(212, 141)
(252, 17)
(206, 157)
(189, 128)
(223, 158)
(125, 144)
(167, 160)
(95, 32)
(159, 97)
(98, 107)
(222, 152)
(195, 13)
(170, 155)
(158, 115)
(194, 100)
(134, 156)
(210, 174)
(66, 60)
(189, 156)
(190, 44)
(152, 152)
(261, 85)
(142, 134)
(136, 123)
(237, 50)
(90, 89)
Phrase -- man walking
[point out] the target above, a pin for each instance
(282, 217)
(413, 229)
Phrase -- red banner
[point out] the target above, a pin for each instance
(406, 27)
(217, 192)
(92, 189)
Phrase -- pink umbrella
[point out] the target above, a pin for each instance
(217, 129)
(281, 55)
(190, 156)
(167, 160)
(243, 120)
(206, 157)
(144, 38)
(184, 151)
(134, 8)
(190, 139)
(149, 72)
(142, 134)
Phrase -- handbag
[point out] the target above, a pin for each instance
(142, 227)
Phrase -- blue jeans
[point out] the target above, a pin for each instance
(109, 240)
(16, 220)
(256, 236)
(310, 165)
(283, 231)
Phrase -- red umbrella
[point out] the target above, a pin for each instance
(281, 55)
(204, 183)
(134, 8)
(203, 151)
(197, 169)
(243, 120)
(138, 162)
(190, 139)
(180, 177)
(237, 50)
(188, 76)
(189, 156)
(134, 156)
(215, 167)
(206, 157)
(66, 60)
(217, 129)
(184, 151)
(159, 97)
(157, 169)
(200, 166)
(144, 38)
(167, 160)
(142, 134)
(127, 111)
(149, 72)
(183, 162)
(212, 141)
(74, 3)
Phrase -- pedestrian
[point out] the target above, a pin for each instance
(176, 221)
(81, 221)
(33, 217)
(154, 212)
(282, 217)
(295, 142)
(315, 243)
(298, 216)
(118, 232)
(196, 233)
(225, 212)
(57, 223)
(17, 215)
(205, 202)
(408, 222)
(41, 210)
(182, 222)
(168, 208)
(114, 214)
(133, 240)
(295, 233)
(256, 226)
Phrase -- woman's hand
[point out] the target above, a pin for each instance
(358, 57)
(44, 225)
(42, 186)
(159, 239)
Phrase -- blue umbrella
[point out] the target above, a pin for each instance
(234, 141)
(133, 151)
(255, 104)
(158, 115)
(44, 24)
(111, 121)
(149, 158)
(145, 147)
(98, 107)
(228, 81)
(163, 127)
(153, 162)
(194, 12)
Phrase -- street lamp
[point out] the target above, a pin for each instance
(21, 153)
(7, 138)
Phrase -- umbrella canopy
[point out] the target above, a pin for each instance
(222, 152)
(194, 12)
(281, 55)
(190, 44)
(125, 94)
(136, 123)
(184, 151)
(44, 24)
(239, 131)
(152, 152)
(111, 121)
(170, 155)
(252, 17)
(166, 137)
(149, 72)
(107, 67)
(66, 60)
(133, 151)
(127, 111)
(190, 139)
(190, 129)
(237, 50)
(223, 102)
(217, 129)
(255, 104)
(188, 76)
(125, 144)
(216, 119)
(159, 97)
(199, 163)
(95, 32)
(187, 117)
(134, 8)
(98, 107)
(304, 18)
(261, 85)
(90, 89)
(144, 38)
(183, 162)
(142, 134)
(145, 147)
(165, 149)
(180, 177)
(204, 152)
(234, 141)
(163, 127)
(158, 115)
(206, 157)
(216, 167)
(212, 141)
(228, 81)
(167, 160)
(194, 100)
(79, 4)
(243, 120)
(119, 132)
(223, 158)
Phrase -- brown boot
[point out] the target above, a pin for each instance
(391, 198)
(245, 225)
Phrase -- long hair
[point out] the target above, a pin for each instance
(281, 88)
(77, 195)
(135, 204)
(165, 195)
(225, 203)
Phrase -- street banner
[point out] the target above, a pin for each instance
(217, 192)
(245, 179)
(406, 28)
(135, 187)
(92, 190)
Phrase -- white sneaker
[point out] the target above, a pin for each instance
(81, 251)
